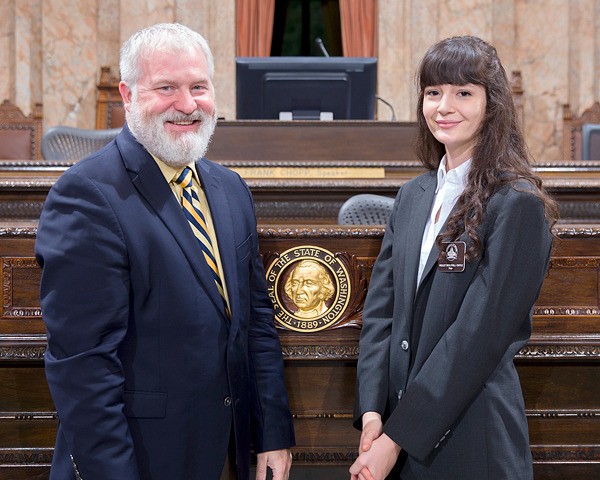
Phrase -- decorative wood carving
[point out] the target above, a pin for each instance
(566, 454)
(109, 106)
(15, 270)
(26, 456)
(321, 352)
(23, 352)
(13, 119)
(325, 456)
(572, 129)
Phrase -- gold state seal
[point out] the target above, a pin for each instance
(309, 288)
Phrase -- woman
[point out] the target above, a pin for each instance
(451, 294)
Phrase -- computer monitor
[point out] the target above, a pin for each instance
(590, 145)
(306, 88)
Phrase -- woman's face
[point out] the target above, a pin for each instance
(454, 114)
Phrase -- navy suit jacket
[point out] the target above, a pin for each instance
(437, 361)
(147, 373)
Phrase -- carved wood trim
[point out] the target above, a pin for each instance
(575, 262)
(572, 128)
(39, 457)
(320, 352)
(576, 232)
(332, 415)
(43, 184)
(28, 416)
(572, 413)
(562, 231)
(28, 353)
(565, 454)
(24, 210)
(324, 456)
(320, 232)
(541, 454)
(26, 350)
(12, 118)
(566, 311)
(108, 97)
(9, 265)
(559, 352)
(18, 232)
(23, 348)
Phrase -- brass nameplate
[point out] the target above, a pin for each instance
(310, 172)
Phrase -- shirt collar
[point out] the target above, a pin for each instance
(171, 173)
(457, 176)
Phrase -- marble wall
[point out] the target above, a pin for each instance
(554, 43)
(51, 52)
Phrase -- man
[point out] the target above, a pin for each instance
(162, 351)
(309, 287)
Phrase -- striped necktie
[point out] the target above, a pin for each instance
(192, 209)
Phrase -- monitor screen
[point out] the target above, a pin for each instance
(306, 88)
(590, 134)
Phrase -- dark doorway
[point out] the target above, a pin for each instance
(298, 23)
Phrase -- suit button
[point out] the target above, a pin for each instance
(404, 345)
(227, 401)
(400, 393)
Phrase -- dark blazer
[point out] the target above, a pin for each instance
(437, 361)
(147, 374)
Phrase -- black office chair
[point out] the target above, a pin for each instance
(70, 143)
(366, 209)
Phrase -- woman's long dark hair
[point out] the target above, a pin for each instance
(500, 155)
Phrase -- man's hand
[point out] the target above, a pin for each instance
(377, 461)
(279, 461)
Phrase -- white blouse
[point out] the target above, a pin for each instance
(450, 186)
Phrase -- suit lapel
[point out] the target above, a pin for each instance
(150, 183)
(221, 218)
(416, 228)
(435, 251)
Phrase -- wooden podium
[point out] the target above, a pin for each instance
(559, 368)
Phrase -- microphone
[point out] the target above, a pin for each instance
(319, 43)
(389, 105)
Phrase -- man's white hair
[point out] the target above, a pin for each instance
(168, 37)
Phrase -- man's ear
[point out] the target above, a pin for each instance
(126, 94)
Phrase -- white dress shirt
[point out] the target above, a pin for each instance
(450, 186)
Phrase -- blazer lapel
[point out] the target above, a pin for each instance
(435, 251)
(221, 218)
(149, 181)
(416, 228)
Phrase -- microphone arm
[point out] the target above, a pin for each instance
(389, 105)
(319, 43)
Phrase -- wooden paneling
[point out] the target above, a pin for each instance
(559, 368)
(310, 190)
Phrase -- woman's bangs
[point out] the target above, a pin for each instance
(444, 68)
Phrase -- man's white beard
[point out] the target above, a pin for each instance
(175, 150)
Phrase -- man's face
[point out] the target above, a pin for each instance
(172, 110)
(306, 287)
